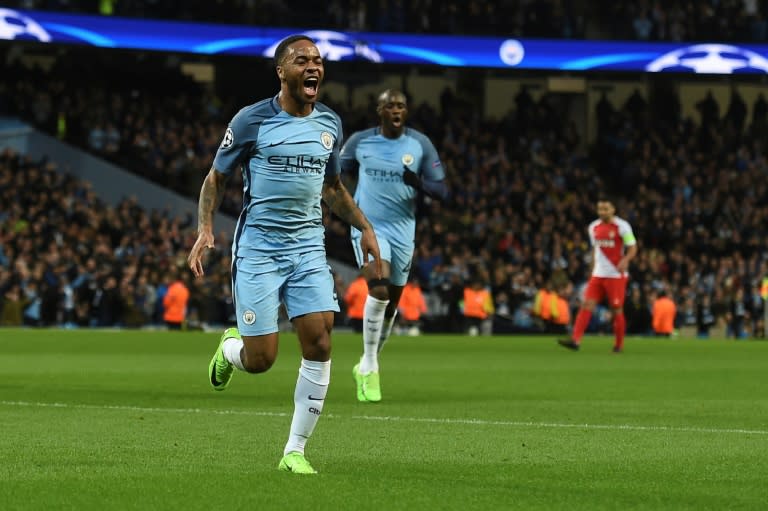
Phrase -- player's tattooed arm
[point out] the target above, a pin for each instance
(337, 197)
(341, 203)
(211, 195)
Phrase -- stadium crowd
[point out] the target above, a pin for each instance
(702, 20)
(68, 259)
(677, 20)
(541, 18)
(516, 221)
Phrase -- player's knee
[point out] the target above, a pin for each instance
(258, 362)
(379, 289)
(380, 293)
(318, 347)
(323, 343)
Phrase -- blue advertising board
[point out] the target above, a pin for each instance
(454, 51)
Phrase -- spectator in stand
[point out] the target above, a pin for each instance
(32, 299)
(705, 317)
(478, 307)
(108, 304)
(638, 312)
(175, 302)
(552, 308)
(451, 292)
(561, 310)
(544, 306)
(13, 306)
(411, 307)
(737, 315)
(686, 314)
(754, 302)
(354, 297)
(663, 315)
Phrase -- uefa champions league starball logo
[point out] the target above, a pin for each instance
(336, 46)
(14, 25)
(710, 59)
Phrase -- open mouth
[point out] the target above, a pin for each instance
(397, 122)
(310, 86)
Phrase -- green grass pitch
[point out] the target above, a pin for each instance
(126, 420)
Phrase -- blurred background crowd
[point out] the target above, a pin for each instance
(515, 223)
(68, 259)
(672, 20)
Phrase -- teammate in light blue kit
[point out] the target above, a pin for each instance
(287, 150)
(394, 164)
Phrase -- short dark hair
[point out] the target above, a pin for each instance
(606, 197)
(388, 93)
(285, 43)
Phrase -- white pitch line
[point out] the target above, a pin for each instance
(428, 420)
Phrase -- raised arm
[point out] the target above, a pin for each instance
(211, 194)
(341, 203)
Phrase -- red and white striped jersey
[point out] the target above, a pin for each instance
(609, 240)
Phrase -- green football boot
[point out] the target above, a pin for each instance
(368, 386)
(359, 383)
(296, 463)
(220, 369)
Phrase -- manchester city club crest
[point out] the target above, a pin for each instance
(326, 139)
(407, 159)
(249, 317)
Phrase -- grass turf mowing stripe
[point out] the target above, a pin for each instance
(478, 422)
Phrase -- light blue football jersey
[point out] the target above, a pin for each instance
(386, 200)
(284, 161)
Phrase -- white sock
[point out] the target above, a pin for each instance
(373, 322)
(308, 399)
(386, 331)
(231, 349)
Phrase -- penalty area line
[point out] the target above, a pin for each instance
(423, 420)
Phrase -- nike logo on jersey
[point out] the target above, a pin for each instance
(311, 398)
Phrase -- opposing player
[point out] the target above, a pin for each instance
(287, 150)
(614, 247)
(394, 164)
